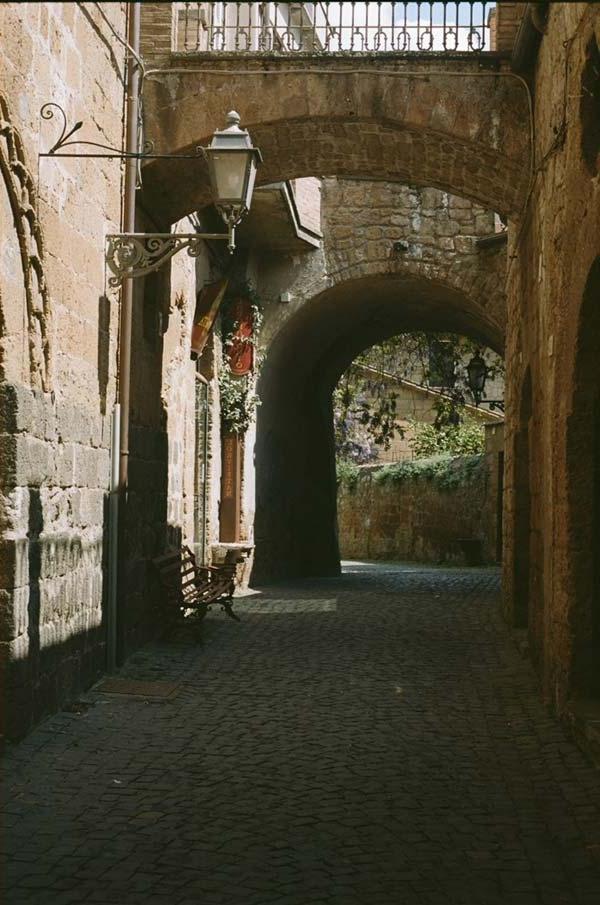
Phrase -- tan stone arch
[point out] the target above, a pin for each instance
(295, 527)
(362, 221)
(442, 123)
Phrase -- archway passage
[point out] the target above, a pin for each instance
(295, 529)
(583, 470)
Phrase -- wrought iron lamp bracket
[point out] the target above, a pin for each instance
(132, 255)
(49, 110)
(494, 404)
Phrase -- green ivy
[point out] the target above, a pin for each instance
(445, 471)
(347, 473)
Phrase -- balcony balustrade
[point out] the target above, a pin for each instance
(285, 29)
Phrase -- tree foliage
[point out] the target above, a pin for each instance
(366, 405)
(464, 439)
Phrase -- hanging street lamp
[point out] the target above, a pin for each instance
(232, 161)
(477, 374)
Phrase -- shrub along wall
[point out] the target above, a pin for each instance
(427, 510)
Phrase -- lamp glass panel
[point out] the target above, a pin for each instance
(229, 175)
(477, 374)
(250, 186)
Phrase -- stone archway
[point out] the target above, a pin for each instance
(295, 528)
(448, 124)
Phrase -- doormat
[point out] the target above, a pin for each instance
(140, 688)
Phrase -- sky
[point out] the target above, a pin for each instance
(388, 18)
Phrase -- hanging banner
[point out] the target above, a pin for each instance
(241, 350)
(207, 307)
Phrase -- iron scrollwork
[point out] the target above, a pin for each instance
(51, 110)
(134, 255)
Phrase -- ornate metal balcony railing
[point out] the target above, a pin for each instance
(339, 27)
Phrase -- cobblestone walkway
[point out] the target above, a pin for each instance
(370, 740)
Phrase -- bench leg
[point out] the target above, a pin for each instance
(227, 605)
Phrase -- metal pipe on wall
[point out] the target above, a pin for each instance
(120, 421)
(131, 146)
(113, 542)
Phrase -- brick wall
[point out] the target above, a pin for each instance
(506, 25)
(157, 32)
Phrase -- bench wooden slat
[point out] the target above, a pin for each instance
(193, 587)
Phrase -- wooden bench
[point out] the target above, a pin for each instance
(193, 588)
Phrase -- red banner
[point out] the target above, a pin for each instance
(241, 350)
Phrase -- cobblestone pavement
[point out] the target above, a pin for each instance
(367, 740)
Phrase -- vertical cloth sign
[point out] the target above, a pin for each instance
(207, 308)
(241, 349)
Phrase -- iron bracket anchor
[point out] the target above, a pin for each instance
(132, 255)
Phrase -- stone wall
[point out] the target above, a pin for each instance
(159, 509)
(361, 222)
(58, 330)
(58, 360)
(551, 525)
(415, 519)
(307, 197)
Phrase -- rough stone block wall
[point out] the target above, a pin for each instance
(160, 503)
(362, 220)
(57, 348)
(551, 378)
(415, 519)
(462, 134)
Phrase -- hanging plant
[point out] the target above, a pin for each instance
(241, 321)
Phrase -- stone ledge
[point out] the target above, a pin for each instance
(582, 719)
(219, 551)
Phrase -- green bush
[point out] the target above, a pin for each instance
(465, 439)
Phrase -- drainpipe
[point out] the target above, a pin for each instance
(120, 432)
(113, 543)
(131, 146)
